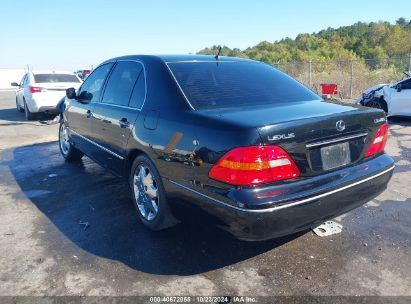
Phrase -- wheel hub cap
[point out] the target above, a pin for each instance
(146, 192)
(64, 140)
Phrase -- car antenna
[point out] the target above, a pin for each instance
(218, 53)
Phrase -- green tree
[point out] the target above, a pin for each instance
(402, 22)
(375, 40)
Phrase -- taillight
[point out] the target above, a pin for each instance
(379, 142)
(254, 165)
(36, 89)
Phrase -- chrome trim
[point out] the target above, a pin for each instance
(345, 138)
(181, 90)
(97, 145)
(286, 205)
(118, 106)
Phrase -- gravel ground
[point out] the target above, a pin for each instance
(45, 251)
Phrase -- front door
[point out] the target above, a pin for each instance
(80, 111)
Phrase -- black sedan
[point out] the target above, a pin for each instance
(254, 150)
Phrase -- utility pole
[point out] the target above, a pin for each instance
(352, 76)
(310, 73)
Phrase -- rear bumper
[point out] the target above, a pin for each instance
(49, 110)
(44, 102)
(273, 211)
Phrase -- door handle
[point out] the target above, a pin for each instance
(124, 123)
(89, 114)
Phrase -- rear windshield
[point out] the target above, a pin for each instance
(42, 78)
(234, 84)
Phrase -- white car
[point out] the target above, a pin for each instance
(40, 91)
(394, 99)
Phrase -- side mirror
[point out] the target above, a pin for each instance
(15, 84)
(399, 87)
(71, 93)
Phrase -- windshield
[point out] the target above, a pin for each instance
(233, 84)
(42, 78)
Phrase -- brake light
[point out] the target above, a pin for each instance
(35, 89)
(379, 142)
(254, 165)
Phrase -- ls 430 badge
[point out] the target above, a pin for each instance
(281, 136)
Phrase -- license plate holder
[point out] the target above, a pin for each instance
(335, 156)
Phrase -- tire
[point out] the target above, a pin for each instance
(149, 196)
(378, 104)
(20, 109)
(67, 150)
(28, 114)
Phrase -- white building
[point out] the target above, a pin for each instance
(7, 76)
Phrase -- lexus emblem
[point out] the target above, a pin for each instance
(340, 125)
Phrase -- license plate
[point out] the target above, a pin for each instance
(335, 156)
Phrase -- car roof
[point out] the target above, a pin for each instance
(179, 58)
(51, 72)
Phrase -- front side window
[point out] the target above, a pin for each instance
(91, 87)
(121, 83)
(236, 84)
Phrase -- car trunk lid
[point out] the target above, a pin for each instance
(320, 136)
(323, 143)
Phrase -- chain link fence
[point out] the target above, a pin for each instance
(351, 76)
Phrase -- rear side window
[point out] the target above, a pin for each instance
(236, 84)
(44, 78)
(122, 82)
(139, 92)
(91, 87)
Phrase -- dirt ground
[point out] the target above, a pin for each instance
(44, 250)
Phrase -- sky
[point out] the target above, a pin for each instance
(75, 34)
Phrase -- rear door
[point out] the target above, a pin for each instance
(113, 118)
(79, 112)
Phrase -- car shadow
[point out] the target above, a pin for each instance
(12, 117)
(93, 210)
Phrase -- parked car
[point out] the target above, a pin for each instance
(83, 74)
(254, 150)
(40, 91)
(394, 99)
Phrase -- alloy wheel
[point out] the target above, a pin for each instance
(146, 192)
(64, 140)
